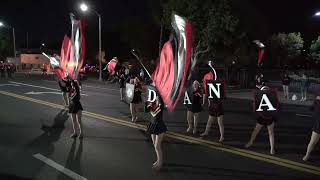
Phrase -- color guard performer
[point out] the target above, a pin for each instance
(266, 107)
(315, 136)
(156, 128)
(75, 108)
(194, 108)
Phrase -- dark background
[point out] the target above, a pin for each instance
(47, 22)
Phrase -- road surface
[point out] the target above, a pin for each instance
(114, 148)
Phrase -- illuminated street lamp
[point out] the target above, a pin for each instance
(84, 7)
(317, 13)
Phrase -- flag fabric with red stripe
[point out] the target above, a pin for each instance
(65, 54)
(59, 73)
(260, 57)
(172, 71)
(72, 51)
(207, 77)
(112, 65)
(78, 48)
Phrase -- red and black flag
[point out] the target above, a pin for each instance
(173, 68)
(112, 65)
(72, 51)
(210, 82)
(207, 77)
(261, 47)
(78, 47)
(65, 56)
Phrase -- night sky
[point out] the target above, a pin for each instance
(48, 20)
(290, 16)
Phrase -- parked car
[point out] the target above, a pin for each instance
(39, 71)
(36, 71)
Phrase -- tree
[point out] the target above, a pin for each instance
(315, 50)
(215, 28)
(286, 46)
(5, 45)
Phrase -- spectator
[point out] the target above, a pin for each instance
(122, 81)
(9, 70)
(285, 85)
(127, 71)
(142, 75)
(304, 87)
(44, 70)
(2, 70)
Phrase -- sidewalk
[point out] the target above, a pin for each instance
(248, 95)
(245, 94)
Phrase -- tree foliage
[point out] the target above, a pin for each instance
(315, 50)
(213, 23)
(287, 46)
(5, 45)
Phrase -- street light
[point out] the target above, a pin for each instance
(317, 13)
(84, 7)
(14, 38)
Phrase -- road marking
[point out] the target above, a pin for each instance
(9, 85)
(37, 93)
(50, 81)
(95, 87)
(30, 85)
(101, 88)
(40, 93)
(303, 115)
(58, 167)
(212, 145)
(41, 87)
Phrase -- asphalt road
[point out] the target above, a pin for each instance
(115, 149)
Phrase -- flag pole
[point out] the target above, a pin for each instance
(215, 73)
(53, 61)
(138, 58)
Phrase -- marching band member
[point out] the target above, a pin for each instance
(122, 81)
(194, 108)
(269, 122)
(136, 99)
(216, 111)
(65, 86)
(75, 108)
(157, 129)
(215, 105)
(316, 128)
